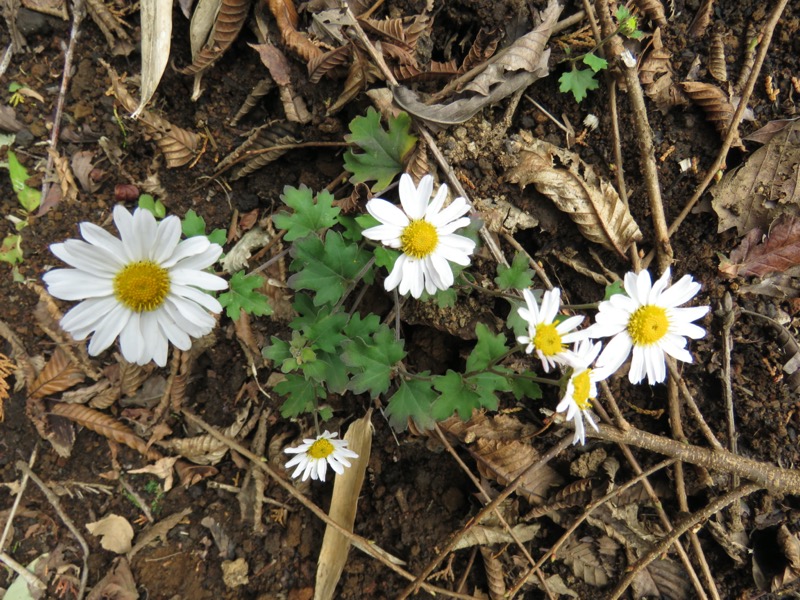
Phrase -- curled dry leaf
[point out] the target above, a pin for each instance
(495, 573)
(230, 18)
(59, 374)
(662, 579)
(755, 193)
(264, 144)
(585, 561)
(115, 533)
(261, 89)
(589, 200)
(480, 535)
(757, 255)
(8, 119)
(482, 49)
(83, 168)
(655, 73)
(156, 19)
(362, 72)
(206, 449)
(714, 102)
(111, 26)
(158, 531)
(653, 10)
(286, 18)
(717, 66)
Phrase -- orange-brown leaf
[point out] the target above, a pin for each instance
(230, 19)
(59, 374)
(777, 253)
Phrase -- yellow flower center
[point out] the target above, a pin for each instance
(322, 448)
(648, 325)
(142, 286)
(419, 239)
(582, 385)
(547, 340)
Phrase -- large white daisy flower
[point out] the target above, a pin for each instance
(424, 231)
(582, 388)
(315, 454)
(648, 321)
(145, 288)
(547, 337)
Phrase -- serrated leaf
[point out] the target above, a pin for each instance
(383, 151)
(525, 388)
(242, 295)
(385, 257)
(446, 298)
(193, 224)
(578, 81)
(613, 289)
(28, 197)
(310, 214)
(322, 329)
(759, 256)
(11, 249)
(326, 268)
(335, 375)
(412, 400)
(518, 276)
(359, 327)
(489, 348)
(301, 395)
(455, 396)
(277, 351)
(147, 202)
(594, 62)
(372, 361)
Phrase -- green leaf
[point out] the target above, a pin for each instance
(514, 322)
(28, 197)
(456, 396)
(446, 298)
(11, 249)
(594, 62)
(310, 214)
(412, 400)
(352, 230)
(334, 373)
(489, 348)
(243, 295)
(578, 81)
(386, 257)
(516, 277)
(322, 329)
(372, 361)
(301, 395)
(384, 151)
(218, 236)
(522, 387)
(147, 202)
(362, 328)
(613, 289)
(192, 224)
(277, 351)
(326, 268)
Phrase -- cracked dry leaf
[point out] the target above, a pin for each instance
(765, 186)
(205, 449)
(757, 255)
(585, 561)
(573, 186)
(480, 535)
(662, 578)
(115, 533)
(59, 374)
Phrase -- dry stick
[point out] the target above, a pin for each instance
(691, 404)
(476, 482)
(733, 129)
(366, 546)
(78, 12)
(30, 578)
(680, 483)
(644, 137)
(589, 509)
(697, 518)
(774, 479)
(53, 499)
(510, 489)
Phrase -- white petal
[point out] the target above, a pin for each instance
(168, 234)
(72, 284)
(656, 364)
(658, 287)
(456, 209)
(616, 352)
(322, 466)
(688, 329)
(643, 286)
(620, 303)
(412, 278)
(454, 252)
(387, 213)
(86, 257)
(435, 205)
(144, 233)
(533, 307)
(99, 237)
(688, 314)
(131, 341)
(638, 365)
(681, 292)
(124, 222)
(677, 351)
(188, 305)
(175, 334)
(181, 316)
(569, 324)
(396, 276)
(86, 314)
(415, 200)
(442, 270)
(190, 247)
(108, 328)
(200, 279)
(200, 261)
(384, 233)
(551, 302)
(630, 285)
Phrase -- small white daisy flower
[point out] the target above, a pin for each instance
(582, 388)
(547, 337)
(145, 288)
(424, 231)
(315, 454)
(648, 321)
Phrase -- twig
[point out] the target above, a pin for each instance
(476, 482)
(534, 265)
(30, 578)
(142, 504)
(686, 524)
(691, 404)
(565, 442)
(644, 138)
(733, 130)
(54, 501)
(78, 12)
(366, 546)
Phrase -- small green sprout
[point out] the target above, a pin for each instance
(147, 202)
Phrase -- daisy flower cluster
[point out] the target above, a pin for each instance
(647, 322)
(314, 456)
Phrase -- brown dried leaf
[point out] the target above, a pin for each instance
(653, 10)
(776, 253)
(768, 131)
(584, 560)
(714, 102)
(158, 531)
(117, 584)
(276, 63)
(83, 166)
(498, 427)
(754, 194)
(131, 376)
(206, 449)
(111, 26)
(435, 70)
(399, 54)
(495, 574)
(504, 461)
(717, 66)
(191, 474)
(482, 49)
(261, 89)
(293, 106)
(59, 374)
(85, 394)
(622, 524)
(480, 535)
(662, 578)
(162, 469)
(323, 64)
(362, 72)
(115, 533)
(8, 119)
(66, 181)
(230, 19)
(286, 18)
(577, 493)
(260, 144)
(701, 19)
(7, 367)
(590, 201)
(105, 425)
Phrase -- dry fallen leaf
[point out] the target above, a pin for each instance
(757, 255)
(589, 200)
(117, 584)
(156, 19)
(115, 533)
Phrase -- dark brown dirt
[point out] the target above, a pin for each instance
(415, 496)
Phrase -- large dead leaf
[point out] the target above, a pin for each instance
(589, 200)
(662, 579)
(118, 583)
(59, 374)
(480, 535)
(346, 489)
(757, 255)
(765, 186)
(585, 561)
(115, 533)
(156, 19)
(715, 104)
(209, 43)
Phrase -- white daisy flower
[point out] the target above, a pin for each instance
(582, 388)
(424, 231)
(145, 288)
(315, 454)
(649, 322)
(547, 337)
